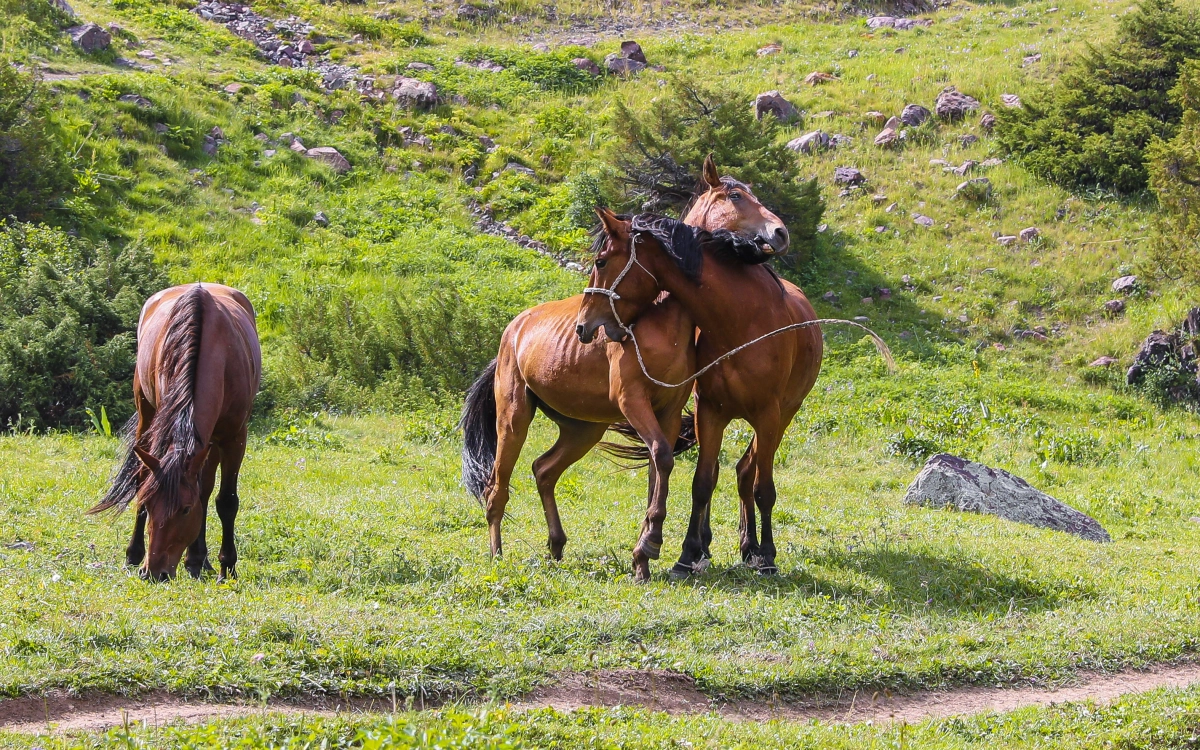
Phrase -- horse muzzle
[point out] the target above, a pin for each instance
(775, 242)
(586, 333)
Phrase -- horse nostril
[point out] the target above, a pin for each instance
(579, 330)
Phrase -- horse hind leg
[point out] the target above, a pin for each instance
(514, 413)
(747, 532)
(228, 503)
(575, 439)
(658, 432)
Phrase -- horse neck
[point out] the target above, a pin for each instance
(728, 295)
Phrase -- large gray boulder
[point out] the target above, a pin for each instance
(950, 481)
(413, 92)
(90, 37)
(772, 102)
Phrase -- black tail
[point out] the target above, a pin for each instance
(637, 451)
(125, 482)
(478, 424)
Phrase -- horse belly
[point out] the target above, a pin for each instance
(566, 375)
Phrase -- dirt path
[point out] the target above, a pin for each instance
(655, 690)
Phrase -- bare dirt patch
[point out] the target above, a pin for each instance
(654, 690)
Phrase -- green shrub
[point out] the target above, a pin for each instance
(659, 155)
(68, 320)
(34, 168)
(1093, 126)
(1175, 178)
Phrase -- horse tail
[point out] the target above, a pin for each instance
(637, 451)
(124, 486)
(478, 424)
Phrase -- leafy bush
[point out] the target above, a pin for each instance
(1175, 178)
(34, 168)
(1093, 126)
(660, 153)
(68, 320)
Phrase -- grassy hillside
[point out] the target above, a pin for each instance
(364, 565)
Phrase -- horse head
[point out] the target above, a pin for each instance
(169, 493)
(616, 266)
(729, 204)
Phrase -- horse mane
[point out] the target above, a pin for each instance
(171, 437)
(681, 241)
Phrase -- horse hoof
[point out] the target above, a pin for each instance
(683, 570)
(768, 569)
(648, 549)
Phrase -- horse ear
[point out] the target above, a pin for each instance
(611, 222)
(150, 461)
(711, 178)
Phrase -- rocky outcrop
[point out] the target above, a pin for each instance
(415, 93)
(951, 482)
(772, 102)
(954, 105)
(90, 37)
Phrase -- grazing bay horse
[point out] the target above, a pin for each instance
(732, 303)
(585, 387)
(198, 370)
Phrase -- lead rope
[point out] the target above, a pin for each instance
(612, 295)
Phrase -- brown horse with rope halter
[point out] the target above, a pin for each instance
(585, 387)
(759, 352)
(198, 370)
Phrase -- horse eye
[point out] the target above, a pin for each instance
(185, 510)
(601, 262)
(735, 197)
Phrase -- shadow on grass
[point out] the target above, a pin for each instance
(912, 581)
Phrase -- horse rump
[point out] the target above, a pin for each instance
(478, 424)
(636, 450)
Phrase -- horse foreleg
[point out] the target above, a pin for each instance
(767, 436)
(228, 502)
(196, 561)
(514, 413)
(710, 429)
(659, 438)
(575, 439)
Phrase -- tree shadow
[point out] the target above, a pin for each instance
(911, 581)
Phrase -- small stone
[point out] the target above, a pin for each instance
(987, 122)
(89, 37)
(412, 92)
(810, 143)
(939, 163)
(1103, 362)
(513, 166)
(140, 101)
(233, 88)
(330, 156)
(1125, 285)
(631, 50)
(1029, 234)
(976, 189)
(1114, 306)
(146, 54)
(878, 198)
(876, 117)
(887, 138)
(830, 297)
(906, 278)
(953, 105)
(867, 301)
(884, 292)
(541, 47)
(922, 220)
(618, 65)
(306, 47)
(268, 153)
(320, 219)
(586, 65)
(816, 78)
(1011, 101)
(880, 229)
(298, 147)
(1031, 60)
(968, 139)
(420, 67)
(881, 22)
(861, 319)
(772, 102)
(1007, 239)
(848, 176)
(992, 162)
(770, 49)
(914, 115)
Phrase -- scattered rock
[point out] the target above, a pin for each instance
(320, 219)
(830, 297)
(881, 22)
(953, 105)
(1114, 306)
(887, 138)
(146, 54)
(140, 101)
(1029, 234)
(951, 482)
(962, 169)
(992, 162)
(772, 102)
(1125, 285)
(1103, 362)
(1175, 355)
(1031, 60)
(330, 156)
(586, 65)
(923, 220)
(770, 49)
(513, 166)
(412, 92)
(861, 319)
(419, 66)
(976, 189)
(968, 139)
(297, 146)
(810, 143)
(816, 78)
(837, 140)
(631, 50)
(1007, 239)
(848, 176)
(233, 88)
(475, 13)
(618, 65)
(914, 115)
(987, 122)
(939, 163)
(876, 117)
(89, 37)
(64, 6)
(1011, 101)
